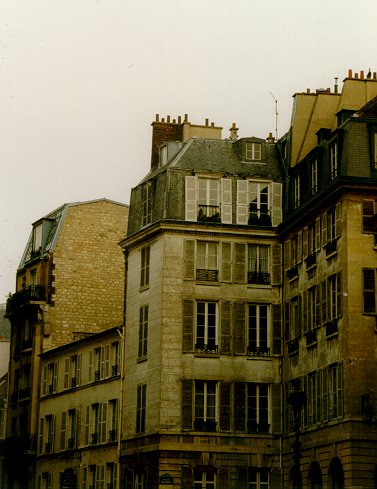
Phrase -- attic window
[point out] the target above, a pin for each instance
(37, 237)
(253, 151)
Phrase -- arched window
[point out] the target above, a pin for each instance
(315, 476)
(336, 474)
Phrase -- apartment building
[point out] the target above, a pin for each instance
(202, 404)
(78, 436)
(329, 294)
(70, 282)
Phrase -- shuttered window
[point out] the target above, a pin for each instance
(369, 290)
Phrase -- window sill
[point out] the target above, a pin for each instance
(207, 282)
(206, 355)
(144, 287)
(142, 359)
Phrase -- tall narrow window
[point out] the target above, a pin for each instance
(115, 358)
(207, 261)
(313, 308)
(297, 191)
(113, 433)
(144, 268)
(205, 405)
(259, 207)
(369, 290)
(258, 478)
(258, 329)
(204, 479)
(314, 176)
(206, 327)
(295, 318)
(147, 204)
(141, 408)
(72, 426)
(50, 429)
(258, 265)
(333, 160)
(257, 400)
(143, 332)
(208, 199)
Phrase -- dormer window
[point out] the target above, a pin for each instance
(253, 151)
(37, 237)
(297, 193)
(333, 160)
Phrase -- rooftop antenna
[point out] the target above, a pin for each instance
(276, 116)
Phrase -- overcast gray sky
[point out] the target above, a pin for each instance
(82, 80)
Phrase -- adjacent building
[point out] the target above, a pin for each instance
(329, 292)
(70, 282)
(202, 404)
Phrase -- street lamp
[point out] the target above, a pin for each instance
(297, 399)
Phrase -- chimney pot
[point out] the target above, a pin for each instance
(174, 121)
(349, 73)
(362, 75)
(179, 119)
(163, 119)
(308, 90)
(207, 122)
(168, 118)
(186, 117)
(374, 75)
(356, 76)
(212, 124)
(157, 117)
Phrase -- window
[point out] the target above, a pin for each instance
(33, 277)
(314, 398)
(369, 290)
(313, 308)
(295, 318)
(144, 269)
(204, 479)
(258, 265)
(256, 478)
(37, 237)
(147, 204)
(115, 358)
(259, 203)
(333, 160)
(314, 176)
(112, 475)
(312, 237)
(208, 199)
(63, 431)
(369, 210)
(251, 402)
(258, 330)
(52, 378)
(96, 421)
(72, 371)
(143, 332)
(50, 432)
(113, 433)
(46, 480)
(205, 405)
(335, 390)
(206, 327)
(99, 363)
(253, 151)
(334, 296)
(141, 408)
(73, 419)
(207, 261)
(331, 228)
(297, 191)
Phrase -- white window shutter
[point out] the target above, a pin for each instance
(277, 213)
(242, 202)
(226, 200)
(191, 198)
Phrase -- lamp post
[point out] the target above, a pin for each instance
(297, 399)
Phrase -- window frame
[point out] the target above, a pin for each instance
(334, 163)
(253, 151)
(297, 191)
(314, 176)
(259, 276)
(141, 405)
(206, 412)
(146, 199)
(258, 349)
(143, 332)
(144, 266)
(210, 342)
(203, 269)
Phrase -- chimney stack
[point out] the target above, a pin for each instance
(270, 138)
(233, 132)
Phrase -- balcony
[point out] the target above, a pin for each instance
(210, 348)
(33, 293)
(115, 370)
(203, 275)
(96, 375)
(209, 213)
(259, 218)
(332, 327)
(257, 351)
(293, 346)
(20, 446)
(311, 338)
(202, 425)
(311, 260)
(331, 247)
(261, 427)
(73, 382)
(258, 278)
(94, 437)
(48, 447)
(113, 435)
(71, 443)
(292, 272)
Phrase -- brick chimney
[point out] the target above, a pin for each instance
(233, 132)
(164, 131)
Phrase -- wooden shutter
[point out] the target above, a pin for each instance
(318, 234)
(226, 200)
(78, 369)
(191, 198)
(225, 406)
(240, 263)
(66, 373)
(188, 325)
(299, 247)
(276, 329)
(239, 406)
(339, 294)
(339, 384)
(242, 478)
(239, 327)
(226, 333)
(87, 423)
(276, 264)
(369, 290)
(324, 301)
(103, 423)
(226, 262)
(187, 393)
(242, 202)
(305, 242)
(324, 228)
(304, 310)
(41, 426)
(325, 399)
(44, 380)
(286, 320)
(276, 408)
(277, 213)
(63, 430)
(107, 361)
(287, 254)
(90, 366)
(189, 259)
(317, 305)
(338, 219)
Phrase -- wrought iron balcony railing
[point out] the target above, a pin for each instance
(115, 370)
(332, 327)
(112, 435)
(202, 425)
(210, 348)
(311, 337)
(258, 278)
(207, 275)
(25, 296)
(258, 351)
